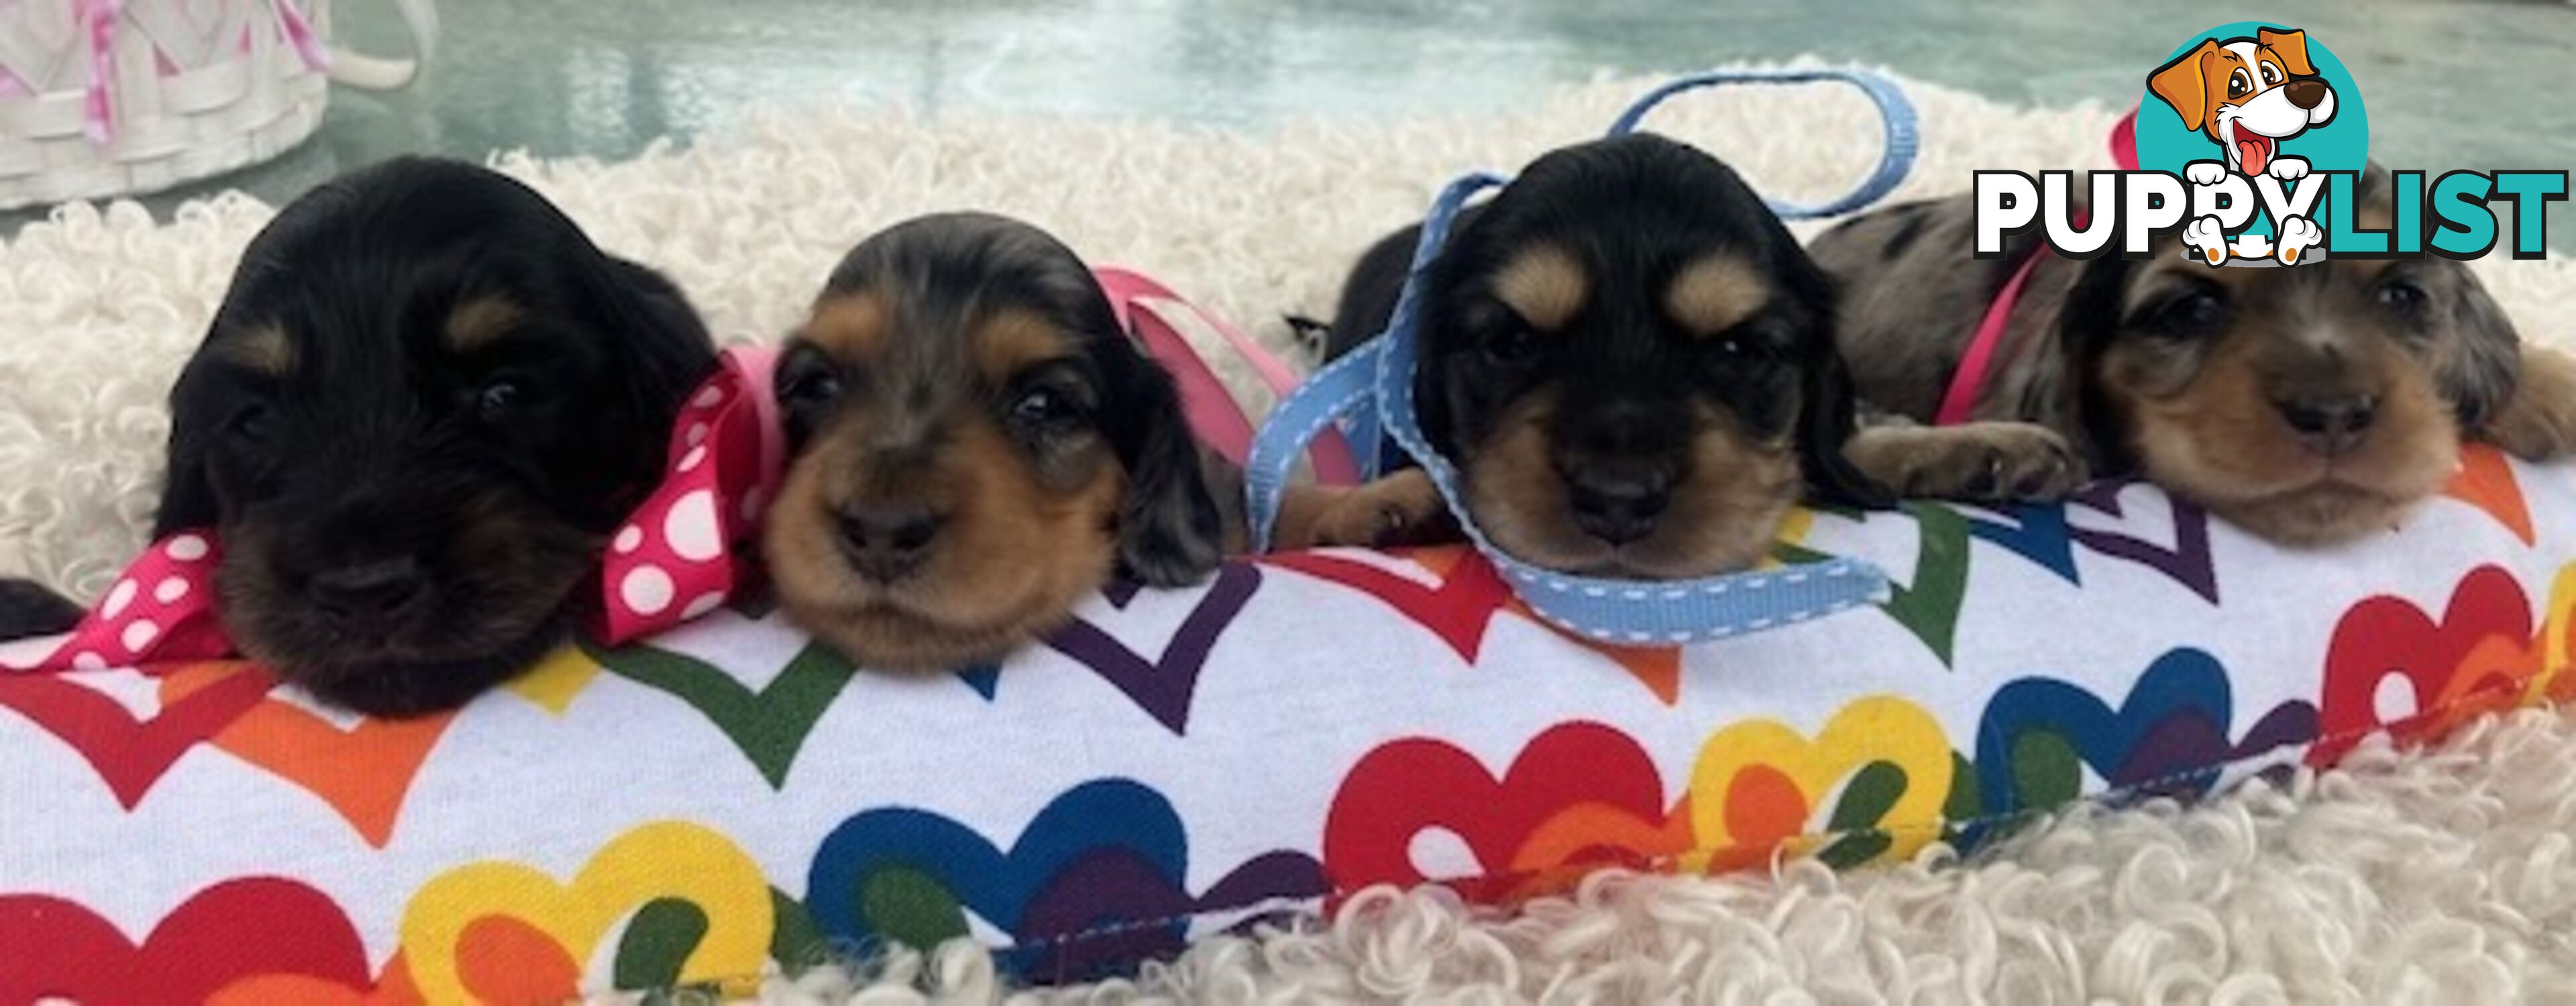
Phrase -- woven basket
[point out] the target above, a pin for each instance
(194, 88)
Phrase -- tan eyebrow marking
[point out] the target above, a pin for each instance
(1014, 339)
(1544, 285)
(480, 322)
(265, 349)
(848, 326)
(1715, 293)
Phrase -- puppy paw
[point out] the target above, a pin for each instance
(2205, 240)
(2288, 169)
(2298, 234)
(1399, 509)
(1976, 462)
(2204, 172)
(2539, 422)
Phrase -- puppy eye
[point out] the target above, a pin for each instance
(1513, 342)
(1043, 407)
(2196, 313)
(496, 398)
(2402, 297)
(2239, 84)
(250, 425)
(2271, 74)
(811, 389)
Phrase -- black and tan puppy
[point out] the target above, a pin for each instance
(1628, 358)
(2308, 404)
(425, 400)
(978, 446)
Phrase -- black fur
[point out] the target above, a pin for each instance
(378, 443)
(27, 609)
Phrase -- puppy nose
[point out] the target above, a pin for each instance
(1619, 503)
(2330, 424)
(371, 588)
(887, 541)
(2305, 92)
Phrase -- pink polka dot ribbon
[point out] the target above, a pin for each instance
(679, 555)
(162, 608)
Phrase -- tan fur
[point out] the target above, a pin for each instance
(1398, 509)
(1984, 461)
(1544, 285)
(851, 326)
(2216, 437)
(265, 349)
(1013, 339)
(1722, 519)
(1714, 294)
(1018, 546)
(480, 322)
(2538, 422)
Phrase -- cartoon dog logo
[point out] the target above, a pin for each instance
(2248, 95)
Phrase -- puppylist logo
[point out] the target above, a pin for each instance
(2251, 140)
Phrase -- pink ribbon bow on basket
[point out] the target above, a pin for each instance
(680, 554)
(98, 21)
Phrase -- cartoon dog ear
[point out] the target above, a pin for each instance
(2184, 83)
(2478, 370)
(1830, 407)
(1170, 532)
(2292, 44)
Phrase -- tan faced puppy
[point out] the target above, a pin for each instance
(2308, 404)
(1629, 360)
(978, 447)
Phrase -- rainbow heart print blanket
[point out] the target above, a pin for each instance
(727, 799)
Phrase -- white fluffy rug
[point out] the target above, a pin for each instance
(2447, 877)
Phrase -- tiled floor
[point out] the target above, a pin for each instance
(2450, 84)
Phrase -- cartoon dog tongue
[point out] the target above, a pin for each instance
(2253, 150)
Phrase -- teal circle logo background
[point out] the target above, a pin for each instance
(2343, 144)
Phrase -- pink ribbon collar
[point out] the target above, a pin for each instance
(684, 552)
(1968, 383)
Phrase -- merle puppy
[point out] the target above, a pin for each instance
(425, 400)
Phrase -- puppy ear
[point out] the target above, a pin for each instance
(1829, 406)
(2479, 367)
(2292, 44)
(2061, 392)
(2184, 84)
(662, 349)
(1170, 532)
(187, 488)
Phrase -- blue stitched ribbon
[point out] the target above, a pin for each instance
(1372, 388)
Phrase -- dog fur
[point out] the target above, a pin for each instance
(424, 402)
(2308, 405)
(1630, 361)
(978, 447)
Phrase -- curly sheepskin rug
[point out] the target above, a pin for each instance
(2442, 876)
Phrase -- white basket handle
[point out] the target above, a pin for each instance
(378, 73)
